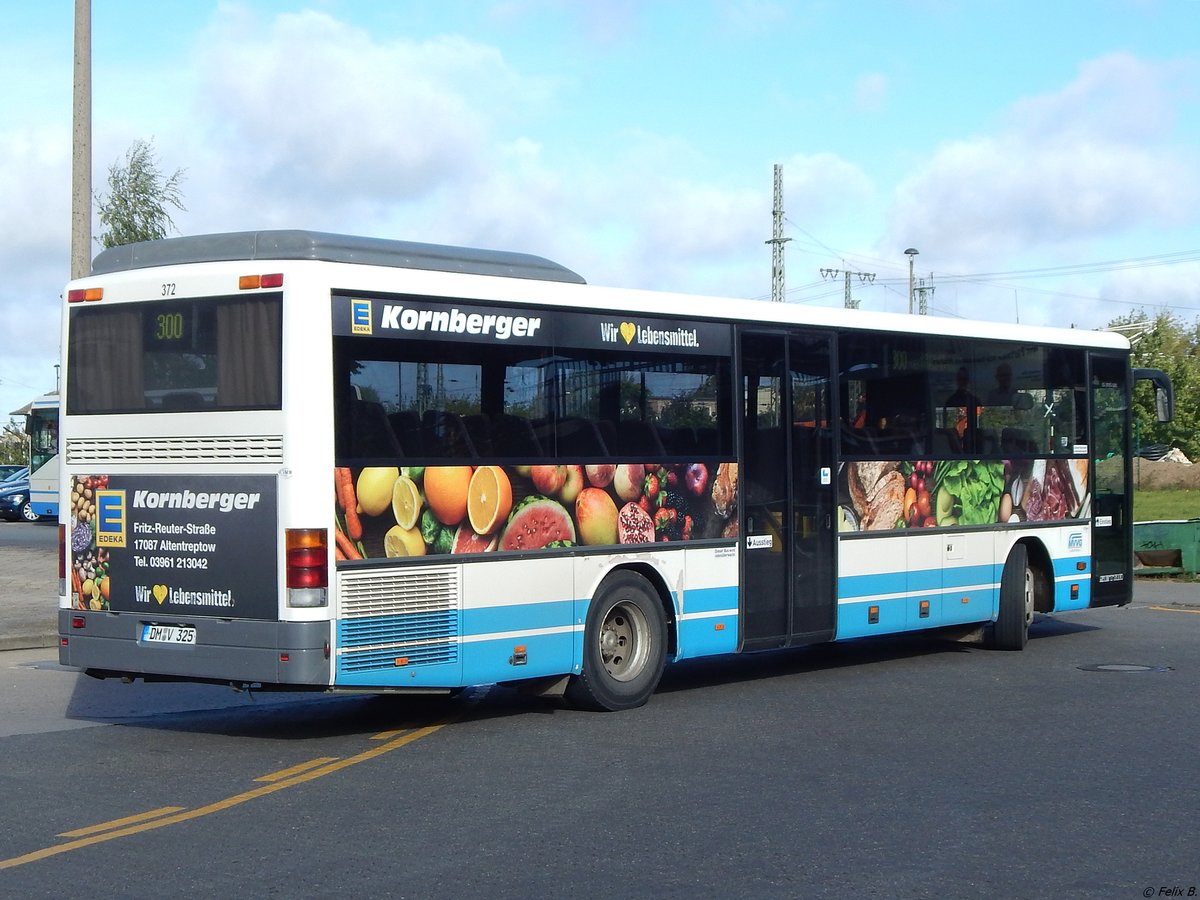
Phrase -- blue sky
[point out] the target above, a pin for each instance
(1041, 156)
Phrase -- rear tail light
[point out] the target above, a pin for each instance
(307, 566)
(254, 282)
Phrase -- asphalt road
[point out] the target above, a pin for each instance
(29, 535)
(892, 768)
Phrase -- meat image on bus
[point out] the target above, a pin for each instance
(302, 460)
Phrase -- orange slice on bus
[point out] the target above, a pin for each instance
(406, 501)
(489, 499)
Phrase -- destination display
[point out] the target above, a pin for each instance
(184, 545)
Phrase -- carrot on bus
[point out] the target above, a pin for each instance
(346, 545)
(348, 502)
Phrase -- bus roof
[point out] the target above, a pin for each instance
(45, 401)
(294, 244)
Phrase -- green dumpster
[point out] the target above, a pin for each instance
(1167, 547)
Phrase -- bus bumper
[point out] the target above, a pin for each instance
(109, 645)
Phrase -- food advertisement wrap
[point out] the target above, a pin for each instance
(385, 511)
(184, 545)
(886, 495)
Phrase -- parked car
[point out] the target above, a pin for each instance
(14, 500)
(8, 471)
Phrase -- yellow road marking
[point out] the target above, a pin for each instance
(117, 823)
(297, 769)
(229, 802)
(388, 735)
(1175, 609)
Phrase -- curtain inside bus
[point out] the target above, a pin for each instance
(175, 356)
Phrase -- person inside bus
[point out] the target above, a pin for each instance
(967, 404)
(1002, 393)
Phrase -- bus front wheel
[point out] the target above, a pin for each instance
(624, 646)
(1011, 631)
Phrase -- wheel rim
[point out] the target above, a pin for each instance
(624, 641)
(1028, 597)
(28, 514)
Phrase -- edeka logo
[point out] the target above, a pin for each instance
(630, 333)
(455, 321)
(110, 518)
(360, 317)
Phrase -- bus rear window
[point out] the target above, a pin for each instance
(221, 353)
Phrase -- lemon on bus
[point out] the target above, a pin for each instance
(489, 499)
(374, 488)
(403, 542)
(406, 501)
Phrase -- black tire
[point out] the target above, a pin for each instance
(624, 646)
(27, 513)
(1011, 631)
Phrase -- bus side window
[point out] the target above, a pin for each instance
(372, 435)
(514, 436)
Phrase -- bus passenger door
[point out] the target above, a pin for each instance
(786, 485)
(813, 605)
(1112, 513)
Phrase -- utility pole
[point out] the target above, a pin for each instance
(81, 144)
(922, 300)
(777, 239)
(911, 253)
(864, 277)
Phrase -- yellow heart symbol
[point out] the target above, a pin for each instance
(160, 593)
(628, 330)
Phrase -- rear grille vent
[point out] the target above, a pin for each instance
(405, 613)
(234, 449)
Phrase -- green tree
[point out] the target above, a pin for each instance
(14, 443)
(1164, 342)
(139, 195)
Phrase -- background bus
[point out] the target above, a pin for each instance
(319, 461)
(41, 425)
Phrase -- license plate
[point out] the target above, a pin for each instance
(169, 634)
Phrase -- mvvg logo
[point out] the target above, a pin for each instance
(110, 518)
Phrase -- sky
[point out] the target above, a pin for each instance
(1041, 157)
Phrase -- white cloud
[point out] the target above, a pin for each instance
(317, 116)
(1089, 161)
(34, 258)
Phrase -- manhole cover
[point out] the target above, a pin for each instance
(1123, 667)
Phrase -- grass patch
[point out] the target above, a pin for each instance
(1149, 506)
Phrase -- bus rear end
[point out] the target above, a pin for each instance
(184, 554)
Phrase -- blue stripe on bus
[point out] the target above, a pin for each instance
(865, 587)
(458, 647)
(499, 659)
(708, 635)
(517, 617)
(1068, 567)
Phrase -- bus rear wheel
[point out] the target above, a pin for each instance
(624, 646)
(1011, 631)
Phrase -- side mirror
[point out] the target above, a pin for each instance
(1022, 400)
(1164, 393)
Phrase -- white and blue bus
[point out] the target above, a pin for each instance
(304, 460)
(41, 424)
